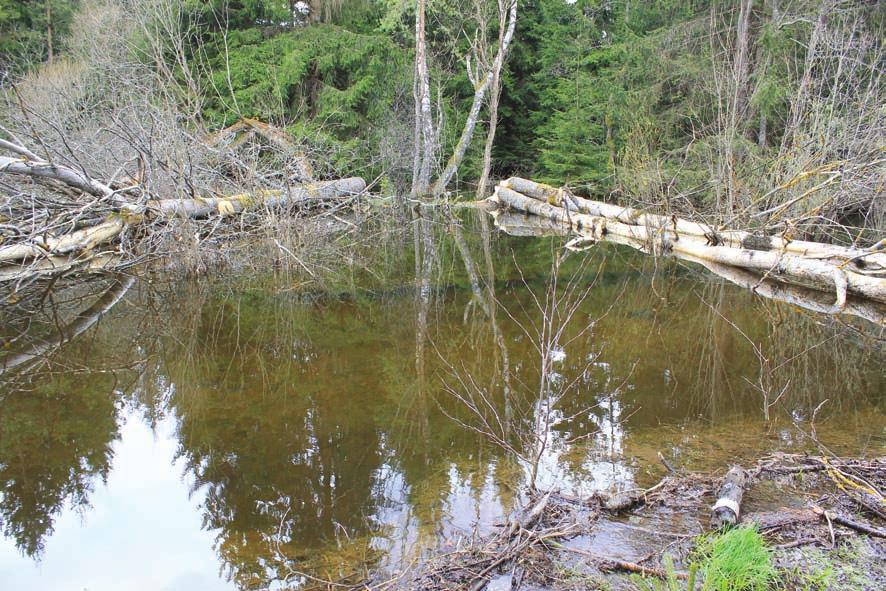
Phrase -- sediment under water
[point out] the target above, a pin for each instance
(233, 432)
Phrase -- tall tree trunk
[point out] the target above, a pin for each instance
(49, 30)
(424, 133)
(480, 90)
(494, 95)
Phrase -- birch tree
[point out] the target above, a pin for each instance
(483, 74)
(482, 81)
(494, 95)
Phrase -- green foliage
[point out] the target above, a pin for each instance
(671, 583)
(26, 27)
(736, 560)
(329, 85)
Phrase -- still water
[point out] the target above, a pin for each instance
(253, 430)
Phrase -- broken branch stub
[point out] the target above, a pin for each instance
(727, 509)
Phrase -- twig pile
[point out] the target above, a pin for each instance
(65, 221)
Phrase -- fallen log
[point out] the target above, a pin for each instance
(299, 195)
(58, 265)
(773, 263)
(80, 240)
(727, 509)
(858, 258)
(39, 168)
(58, 253)
(796, 295)
(814, 300)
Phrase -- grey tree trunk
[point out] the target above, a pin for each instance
(480, 91)
(494, 95)
(424, 135)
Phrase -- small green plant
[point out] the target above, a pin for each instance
(736, 560)
(671, 582)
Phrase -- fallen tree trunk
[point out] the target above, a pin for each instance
(39, 168)
(45, 253)
(815, 300)
(300, 195)
(80, 240)
(56, 265)
(773, 263)
(739, 239)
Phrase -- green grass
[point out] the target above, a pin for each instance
(672, 583)
(736, 560)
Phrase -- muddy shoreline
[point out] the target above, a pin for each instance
(821, 518)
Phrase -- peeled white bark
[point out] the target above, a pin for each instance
(57, 172)
(69, 243)
(735, 238)
(47, 254)
(774, 263)
(519, 224)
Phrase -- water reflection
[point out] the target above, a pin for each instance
(316, 432)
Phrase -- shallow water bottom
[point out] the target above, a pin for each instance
(244, 433)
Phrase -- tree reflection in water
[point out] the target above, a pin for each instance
(315, 425)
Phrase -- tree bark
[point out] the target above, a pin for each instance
(736, 238)
(425, 140)
(479, 96)
(57, 172)
(776, 264)
(312, 192)
(494, 95)
(727, 510)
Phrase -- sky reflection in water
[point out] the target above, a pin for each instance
(259, 431)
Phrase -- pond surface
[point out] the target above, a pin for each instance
(256, 430)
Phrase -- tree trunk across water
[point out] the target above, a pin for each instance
(818, 269)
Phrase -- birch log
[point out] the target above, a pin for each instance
(565, 199)
(777, 264)
(300, 195)
(52, 249)
(815, 300)
(60, 173)
(80, 240)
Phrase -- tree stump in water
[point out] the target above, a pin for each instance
(727, 509)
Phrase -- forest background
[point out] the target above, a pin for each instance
(763, 113)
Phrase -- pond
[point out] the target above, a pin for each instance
(254, 430)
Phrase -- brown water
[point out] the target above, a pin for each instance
(241, 431)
